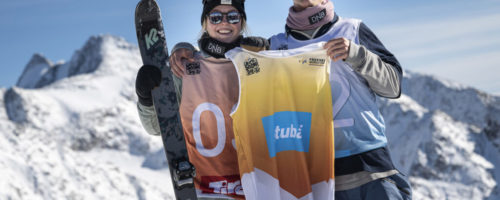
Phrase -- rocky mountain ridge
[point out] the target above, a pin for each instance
(71, 131)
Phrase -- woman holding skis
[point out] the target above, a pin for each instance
(206, 94)
(362, 69)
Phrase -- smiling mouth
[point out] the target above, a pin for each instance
(224, 31)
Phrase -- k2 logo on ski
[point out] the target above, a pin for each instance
(151, 38)
(287, 131)
(252, 66)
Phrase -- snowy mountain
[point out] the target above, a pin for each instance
(34, 72)
(71, 131)
(78, 135)
(446, 136)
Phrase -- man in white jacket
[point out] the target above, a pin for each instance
(362, 68)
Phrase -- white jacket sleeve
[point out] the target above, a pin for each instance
(149, 120)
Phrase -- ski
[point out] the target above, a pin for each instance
(153, 48)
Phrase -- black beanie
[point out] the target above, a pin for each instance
(208, 5)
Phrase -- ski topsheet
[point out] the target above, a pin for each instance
(153, 47)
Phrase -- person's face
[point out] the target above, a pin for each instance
(224, 31)
(300, 5)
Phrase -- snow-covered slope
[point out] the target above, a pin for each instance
(71, 131)
(446, 137)
(80, 137)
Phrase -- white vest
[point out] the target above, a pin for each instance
(359, 125)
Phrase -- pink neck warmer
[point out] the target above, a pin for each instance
(312, 17)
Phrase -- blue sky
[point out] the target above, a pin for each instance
(458, 40)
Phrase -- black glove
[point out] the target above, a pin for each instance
(254, 44)
(148, 78)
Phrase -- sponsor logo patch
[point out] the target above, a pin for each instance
(227, 185)
(214, 48)
(287, 131)
(303, 61)
(317, 61)
(226, 2)
(193, 68)
(252, 66)
(312, 61)
(317, 17)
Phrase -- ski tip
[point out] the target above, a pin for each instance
(146, 6)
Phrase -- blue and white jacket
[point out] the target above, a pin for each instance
(369, 70)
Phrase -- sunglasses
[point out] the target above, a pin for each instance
(233, 17)
(207, 1)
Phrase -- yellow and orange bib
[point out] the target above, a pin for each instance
(283, 123)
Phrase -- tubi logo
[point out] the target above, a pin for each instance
(287, 131)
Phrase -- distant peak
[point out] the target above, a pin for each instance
(97, 48)
(34, 71)
(38, 59)
(105, 40)
(40, 71)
